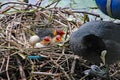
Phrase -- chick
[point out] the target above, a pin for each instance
(58, 39)
(59, 32)
(46, 41)
(49, 32)
(42, 33)
(92, 38)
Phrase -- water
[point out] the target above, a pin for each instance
(65, 3)
(74, 4)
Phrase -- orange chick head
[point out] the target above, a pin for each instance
(59, 32)
(46, 40)
(58, 38)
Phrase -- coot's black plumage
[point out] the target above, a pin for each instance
(94, 37)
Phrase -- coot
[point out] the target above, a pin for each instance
(94, 37)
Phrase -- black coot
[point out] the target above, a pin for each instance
(94, 37)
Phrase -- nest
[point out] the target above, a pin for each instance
(56, 62)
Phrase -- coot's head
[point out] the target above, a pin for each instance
(91, 47)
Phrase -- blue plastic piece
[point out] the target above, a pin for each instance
(35, 57)
(115, 7)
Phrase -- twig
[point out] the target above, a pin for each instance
(52, 3)
(115, 73)
(8, 32)
(83, 78)
(6, 9)
(62, 69)
(59, 58)
(57, 3)
(73, 66)
(19, 3)
(45, 73)
(22, 73)
(85, 12)
(7, 64)
(60, 23)
(3, 62)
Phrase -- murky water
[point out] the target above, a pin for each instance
(75, 4)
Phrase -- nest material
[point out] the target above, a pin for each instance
(58, 63)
